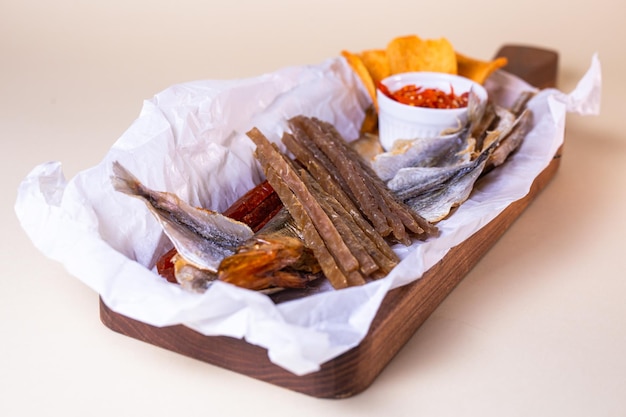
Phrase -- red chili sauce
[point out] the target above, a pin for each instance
(433, 98)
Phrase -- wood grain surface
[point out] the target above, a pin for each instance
(402, 312)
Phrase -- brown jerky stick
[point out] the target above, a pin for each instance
(386, 262)
(348, 166)
(312, 239)
(381, 195)
(412, 221)
(272, 159)
(370, 257)
(372, 239)
(344, 225)
(342, 167)
(317, 158)
(409, 218)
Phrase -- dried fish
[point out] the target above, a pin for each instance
(435, 175)
(190, 276)
(430, 152)
(433, 192)
(263, 263)
(512, 141)
(202, 237)
(275, 257)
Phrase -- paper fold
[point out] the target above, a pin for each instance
(190, 140)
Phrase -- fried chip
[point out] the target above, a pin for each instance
(376, 62)
(478, 70)
(363, 73)
(370, 121)
(411, 53)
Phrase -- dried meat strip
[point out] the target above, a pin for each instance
(411, 219)
(333, 145)
(399, 216)
(333, 272)
(375, 243)
(345, 169)
(283, 177)
(315, 158)
(384, 260)
(344, 224)
(418, 225)
(320, 219)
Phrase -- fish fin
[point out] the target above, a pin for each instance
(124, 181)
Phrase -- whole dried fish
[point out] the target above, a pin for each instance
(202, 237)
(451, 148)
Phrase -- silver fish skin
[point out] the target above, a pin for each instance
(434, 191)
(431, 152)
(438, 190)
(506, 122)
(198, 280)
(202, 237)
(512, 141)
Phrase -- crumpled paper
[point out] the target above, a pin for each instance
(190, 140)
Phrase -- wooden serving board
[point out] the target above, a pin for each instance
(402, 311)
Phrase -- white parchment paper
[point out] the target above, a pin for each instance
(190, 140)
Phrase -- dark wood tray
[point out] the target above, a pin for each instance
(402, 311)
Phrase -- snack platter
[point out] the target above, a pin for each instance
(402, 311)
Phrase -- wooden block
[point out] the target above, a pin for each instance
(537, 66)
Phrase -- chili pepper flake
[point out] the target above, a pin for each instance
(433, 98)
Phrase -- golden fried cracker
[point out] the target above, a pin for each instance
(377, 64)
(478, 70)
(411, 53)
(362, 72)
(370, 121)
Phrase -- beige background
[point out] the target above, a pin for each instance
(538, 328)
